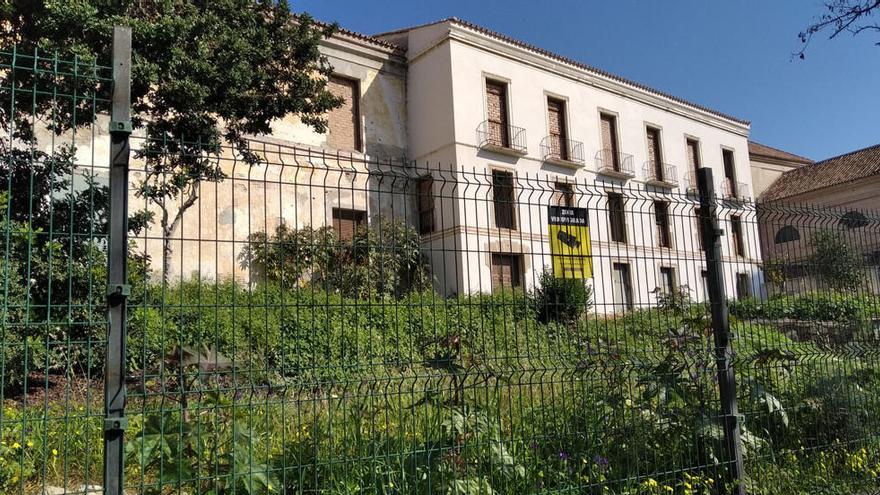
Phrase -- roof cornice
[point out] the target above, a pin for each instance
(486, 40)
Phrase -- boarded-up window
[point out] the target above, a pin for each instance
(425, 200)
(654, 156)
(346, 222)
(729, 172)
(558, 130)
(610, 157)
(739, 245)
(344, 122)
(496, 108)
(506, 270)
(502, 194)
(616, 218)
(693, 157)
(563, 195)
(661, 220)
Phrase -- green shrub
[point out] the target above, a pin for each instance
(381, 260)
(562, 300)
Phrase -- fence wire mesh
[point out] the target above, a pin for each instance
(308, 322)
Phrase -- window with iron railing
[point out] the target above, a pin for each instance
(564, 152)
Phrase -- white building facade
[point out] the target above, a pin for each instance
(499, 111)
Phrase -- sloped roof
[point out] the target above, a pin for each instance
(560, 58)
(831, 172)
(758, 150)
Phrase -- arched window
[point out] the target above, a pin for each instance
(853, 220)
(787, 234)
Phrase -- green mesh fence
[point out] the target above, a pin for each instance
(310, 322)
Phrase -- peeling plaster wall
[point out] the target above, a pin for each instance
(303, 181)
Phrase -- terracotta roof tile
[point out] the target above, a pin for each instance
(831, 172)
(758, 150)
(575, 63)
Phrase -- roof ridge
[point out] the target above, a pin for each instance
(866, 148)
(752, 141)
(576, 63)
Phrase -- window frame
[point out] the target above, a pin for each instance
(513, 205)
(360, 133)
(419, 205)
(622, 219)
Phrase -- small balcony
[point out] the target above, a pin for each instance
(500, 138)
(734, 191)
(614, 164)
(660, 174)
(564, 152)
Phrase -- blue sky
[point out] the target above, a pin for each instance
(733, 56)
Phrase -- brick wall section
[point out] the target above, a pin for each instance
(344, 122)
(496, 107)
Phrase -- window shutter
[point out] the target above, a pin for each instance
(346, 222)
(506, 271)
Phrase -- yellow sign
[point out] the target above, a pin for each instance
(570, 242)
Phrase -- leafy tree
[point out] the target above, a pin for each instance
(851, 16)
(835, 260)
(203, 72)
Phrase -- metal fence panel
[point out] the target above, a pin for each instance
(302, 321)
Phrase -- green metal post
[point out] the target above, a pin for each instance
(721, 330)
(117, 288)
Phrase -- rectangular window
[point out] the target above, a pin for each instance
(667, 279)
(347, 221)
(610, 155)
(563, 195)
(621, 287)
(502, 192)
(558, 131)
(655, 160)
(344, 122)
(496, 109)
(739, 246)
(616, 217)
(743, 286)
(693, 157)
(661, 219)
(729, 172)
(426, 204)
(506, 270)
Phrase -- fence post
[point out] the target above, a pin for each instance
(721, 329)
(117, 275)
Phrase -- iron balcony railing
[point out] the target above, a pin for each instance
(614, 163)
(554, 148)
(731, 189)
(664, 174)
(500, 137)
(691, 182)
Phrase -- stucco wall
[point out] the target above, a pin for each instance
(467, 63)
